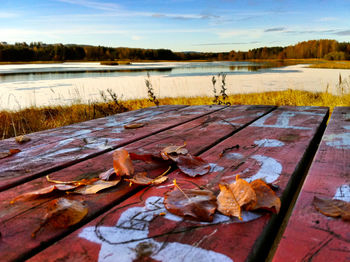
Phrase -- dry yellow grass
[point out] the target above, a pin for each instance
(332, 65)
(37, 119)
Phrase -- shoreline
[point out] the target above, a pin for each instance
(21, 95)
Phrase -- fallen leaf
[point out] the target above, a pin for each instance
(192, 165)
(107, 174)
(96, 187)
(244, 193)
(63, 213)
(332, 207)
(9, 153)
(227, 203)
(173, 152)
(73, 182)
(122, 163)
(146, 157)
(191, 203)
(22, 139)
(142, 179)
(266, 198)
(134, 125)
(44, 192)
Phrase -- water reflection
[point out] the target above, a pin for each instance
(85, 70)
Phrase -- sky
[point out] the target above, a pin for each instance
(179, 25)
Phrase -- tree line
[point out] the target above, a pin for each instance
(37, 51)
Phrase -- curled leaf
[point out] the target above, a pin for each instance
(107, 174)
(22, 139)
(149, 158)
(192, 165)
(243, 193)
(227, 202)
(9, 153)
(73, 182)
(191, 203)
(134, 125)
(122, 163)
(96, 187)
(173, 152)
(44, 192)
(142, 179)
(332, 207)
(63, 213)
(266, 198)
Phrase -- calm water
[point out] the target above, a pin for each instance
(34, 72)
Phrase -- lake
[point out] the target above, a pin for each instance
(24, 85)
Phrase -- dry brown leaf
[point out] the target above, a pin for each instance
(243, 193)
(191, 203)
(192, 165)
(172, 152)
(227, 203)
(142, 179)
(22, 139)
(96, 187)
(107, 174)
(266, 198)
(122, 163)
(63, 213)
(73, 182)
(332, 207)
(9, 153)
(44, 192)
(134, 125)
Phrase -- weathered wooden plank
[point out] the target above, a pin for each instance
(16, 218)
(272, 148)
(309, 235)
(61, 133)
(41, 159)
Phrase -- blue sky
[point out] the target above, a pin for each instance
(179, 25)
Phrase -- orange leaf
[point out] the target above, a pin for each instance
(63, 213)
(227, 203)
(134, 125)
(332, 207)
(96, 187)
(266, 197)
(191, 203)
(9, 153)
(243, 193)
(122, 163)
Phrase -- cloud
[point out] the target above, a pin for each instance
(7, 15)
(93, 4)
(237, 43)
(253, 33)
(136, 37)
(275, 29)
(327, 19)
(316, 31)
(345, 32)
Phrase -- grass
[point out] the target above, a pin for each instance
(37, 119)
(332, 65)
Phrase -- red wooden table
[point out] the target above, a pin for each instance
(123, 223)
(309, 235)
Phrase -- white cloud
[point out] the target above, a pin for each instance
(252, 33)
(136, 37)
(93, 4)
(8, 15)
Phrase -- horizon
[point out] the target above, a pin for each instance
(179, 25)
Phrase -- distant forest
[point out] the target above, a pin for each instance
(37, 51)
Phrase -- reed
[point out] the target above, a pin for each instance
(36, 119)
